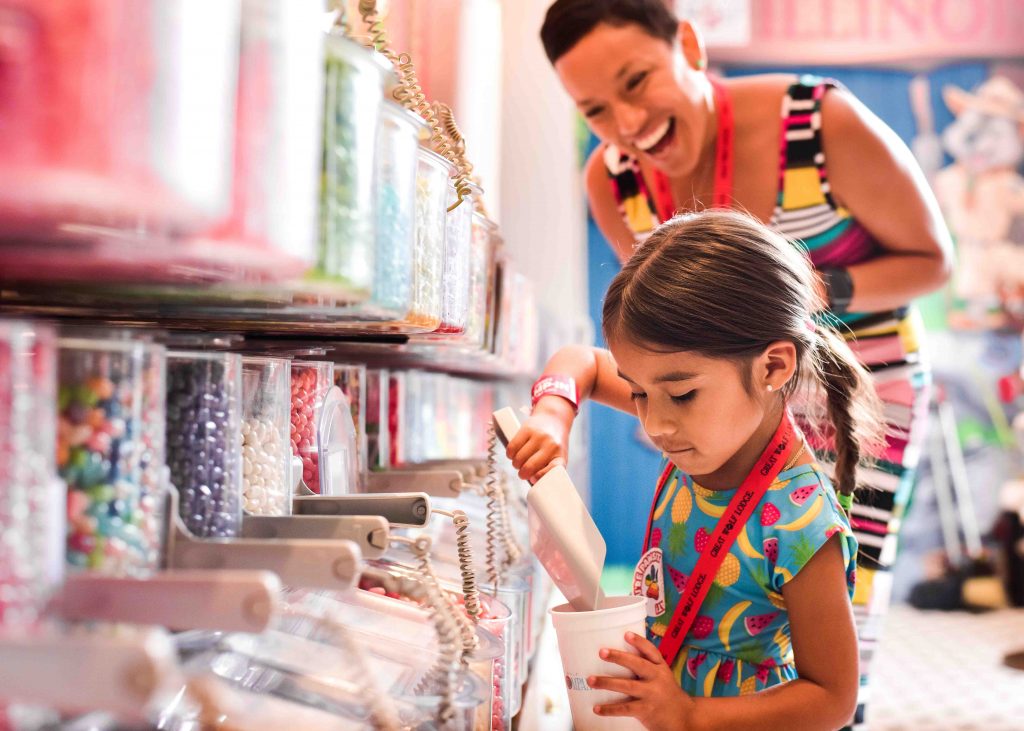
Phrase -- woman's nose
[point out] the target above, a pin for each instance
(629, 120)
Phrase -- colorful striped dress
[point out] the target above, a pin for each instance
(886, 342)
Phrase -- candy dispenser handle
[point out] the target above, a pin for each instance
(506, 424)
(119, 674)
(438, 483)
(307, 564)
(369, 532)
(225, 601)
(405, 509)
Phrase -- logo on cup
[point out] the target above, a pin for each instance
(576, 682)
(649, 581)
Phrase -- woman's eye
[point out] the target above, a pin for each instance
(688, 396)
(593, 112)
(637, 396)
(635, 80)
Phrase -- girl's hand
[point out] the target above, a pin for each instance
(543, 440)
(657, 700)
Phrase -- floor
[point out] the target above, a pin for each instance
(943, 671)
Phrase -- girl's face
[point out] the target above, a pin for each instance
(637, 92)
(694, 408)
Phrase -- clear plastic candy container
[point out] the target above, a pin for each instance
(355, 79)
(351, 379)
(101, 139)
(395, 201)
(204, 445)
(153, 457)
(31, 533)
(266, 429)
(99, 454)
(432, 195)
(310, 381)
(458, 237)
(481, 278)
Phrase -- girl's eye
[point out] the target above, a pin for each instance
(635, 80)
(688, 396)
(593, 112)
(637, 396)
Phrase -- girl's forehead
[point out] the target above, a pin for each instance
(652, 363)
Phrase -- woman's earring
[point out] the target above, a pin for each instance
(770, 388)
(701, 63)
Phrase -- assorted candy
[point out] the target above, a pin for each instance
(355, 89)
(99, 454)
(310, 381)
(204, 446)
(266, 425)
(28, 539)
(395, 202)
(432, 190)
(153, 458)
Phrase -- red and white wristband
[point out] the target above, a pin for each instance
(556, 385)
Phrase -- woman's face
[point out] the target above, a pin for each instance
(696, 409)
(637, 92)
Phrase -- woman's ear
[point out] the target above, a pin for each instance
(775, 367)
(692, 43)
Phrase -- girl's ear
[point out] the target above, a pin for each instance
(775, 367)
(692, 43)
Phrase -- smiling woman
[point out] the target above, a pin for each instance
(802, 156)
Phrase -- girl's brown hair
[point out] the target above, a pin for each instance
(722, 285)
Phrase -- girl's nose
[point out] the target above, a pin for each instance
(630, 120)
(657, 423)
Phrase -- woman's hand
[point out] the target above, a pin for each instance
(543, 440)
(657, 700)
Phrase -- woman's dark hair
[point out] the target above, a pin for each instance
(722, 285)
(567, 21)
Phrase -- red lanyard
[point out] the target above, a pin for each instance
(756, 484)
(723, 159)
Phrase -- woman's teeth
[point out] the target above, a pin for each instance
(646, 142)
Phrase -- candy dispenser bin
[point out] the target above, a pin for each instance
(355, 79)
(266, 430)
(153, 459)
(102, 145)
(351, 379)
(433, 188)
(395, 213)
(204, 445)
(310, 381)
(378, 408)
(456, 276)
(31, 498)
(100, 451)
(481, 276)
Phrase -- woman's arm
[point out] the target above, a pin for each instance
(605, 209)
(874, 175)
(543, 440)
(825, 646)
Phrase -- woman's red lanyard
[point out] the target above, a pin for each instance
(742, 505)
(723, 159)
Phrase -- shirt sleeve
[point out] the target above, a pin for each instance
(798, 521)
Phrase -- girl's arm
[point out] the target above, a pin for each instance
(543, 440)
(875, 176)
(825, 646)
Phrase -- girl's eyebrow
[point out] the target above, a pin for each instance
(670, 377)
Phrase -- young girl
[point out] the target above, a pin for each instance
(710, 334)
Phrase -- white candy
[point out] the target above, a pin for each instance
(263, 469)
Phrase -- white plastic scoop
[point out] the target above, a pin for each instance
(563, 535)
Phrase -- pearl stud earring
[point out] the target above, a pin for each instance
(770, 388)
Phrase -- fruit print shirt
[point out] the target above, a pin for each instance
(740, 641)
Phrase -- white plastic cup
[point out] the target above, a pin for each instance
(581, 635)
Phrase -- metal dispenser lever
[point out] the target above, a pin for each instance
(437, 483)
(406, 509)
(305, 563)
(369, 532)
(120, 674)
(224, 601)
